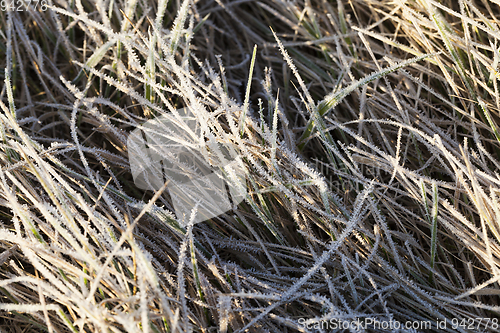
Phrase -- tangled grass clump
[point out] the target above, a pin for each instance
(368, 131)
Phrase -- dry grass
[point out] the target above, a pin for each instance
(369, 130)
